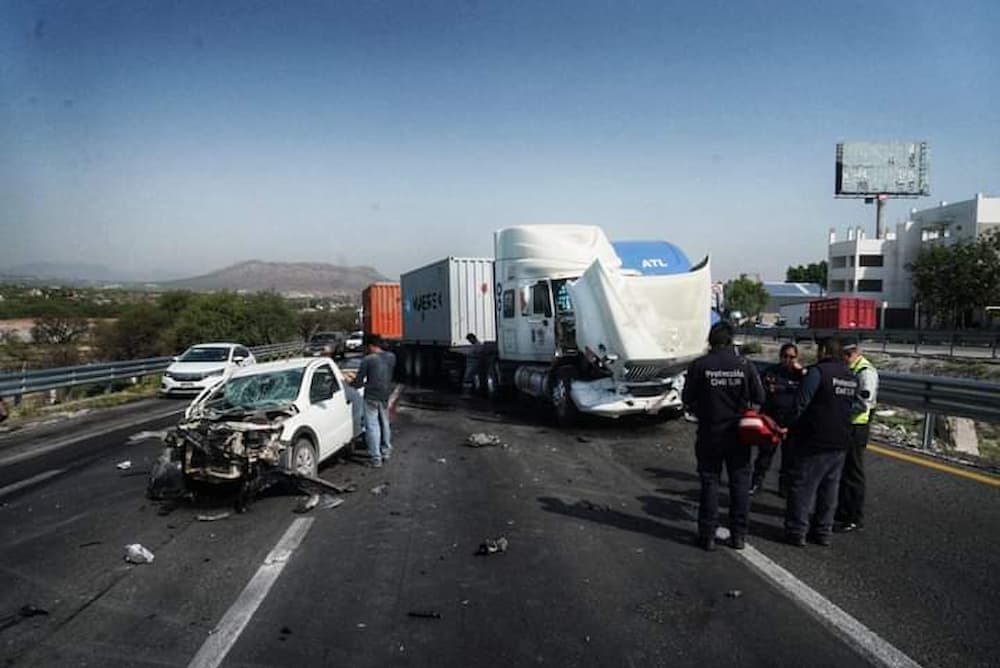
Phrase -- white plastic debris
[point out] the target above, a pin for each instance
(378, 490)
(214, 517)
(124, 466)
(481, 439)
(137, 554)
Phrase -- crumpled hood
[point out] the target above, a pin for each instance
(653, 321)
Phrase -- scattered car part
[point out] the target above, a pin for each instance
(137, 554)
(493, 545)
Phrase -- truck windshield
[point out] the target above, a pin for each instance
(262, 389)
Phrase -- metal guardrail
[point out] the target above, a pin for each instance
(41, 380)
(952, 339)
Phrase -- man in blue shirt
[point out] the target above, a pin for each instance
(375, 375)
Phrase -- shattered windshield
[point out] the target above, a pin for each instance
(205, 355)
(262, 389)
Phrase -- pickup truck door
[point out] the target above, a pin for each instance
(329, 413)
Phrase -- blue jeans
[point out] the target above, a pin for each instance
(378, 434)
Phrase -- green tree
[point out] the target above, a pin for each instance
(138, 333)
(745, 294)
(815, 272)
(950, 282)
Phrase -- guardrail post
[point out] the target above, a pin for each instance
(928, 432)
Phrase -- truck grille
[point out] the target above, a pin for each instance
(642, 372)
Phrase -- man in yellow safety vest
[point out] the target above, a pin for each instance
(851, 498)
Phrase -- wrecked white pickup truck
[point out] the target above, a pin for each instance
(281, 416)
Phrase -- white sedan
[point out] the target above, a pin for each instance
(202, 366)
(292, 414)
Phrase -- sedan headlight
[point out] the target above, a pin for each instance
(167, 374)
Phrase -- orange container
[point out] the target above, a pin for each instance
(383, 314)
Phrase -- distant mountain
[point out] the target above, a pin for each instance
(312, 278)
(62, 271)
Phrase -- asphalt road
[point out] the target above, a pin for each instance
(599, 571)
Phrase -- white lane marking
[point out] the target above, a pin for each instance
(34, 451)
(10, 489)
(860, 637)
(147, 435)
(229, 628)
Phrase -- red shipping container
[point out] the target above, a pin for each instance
(843, 313)
(383, 314)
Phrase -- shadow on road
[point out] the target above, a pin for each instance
(656, 506)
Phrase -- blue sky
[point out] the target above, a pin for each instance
(177, 137)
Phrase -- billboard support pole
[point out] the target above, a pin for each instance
(879, 205)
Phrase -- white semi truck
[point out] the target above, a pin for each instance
(570, 318)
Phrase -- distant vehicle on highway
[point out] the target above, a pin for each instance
(203, 365)
(355, 341)
(329, 344)
(291, 414)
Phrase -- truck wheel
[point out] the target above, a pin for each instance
(565, 410)
(418, 367)
(302, 457)
(492, 381)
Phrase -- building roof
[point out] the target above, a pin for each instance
(776, 289)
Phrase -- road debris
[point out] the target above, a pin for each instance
(137, 554)
(378, 490)
(441, 460)
(147, 436)
(425, 614)
(92, 543)
(307, 504)
(734, 593)
(214, 517)
(124, 465)
(25, 612)
(493, 545)
(361, 625)
(327, 501)
(482, 439)
(582, 439)
(166, 478)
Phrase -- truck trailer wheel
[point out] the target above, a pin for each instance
(564, 410)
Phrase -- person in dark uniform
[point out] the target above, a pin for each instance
(717, 388)
(781, 381)
(822, 420)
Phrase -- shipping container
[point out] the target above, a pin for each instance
(843, 313)
(444, 301)
(794, 316)
(382, 310)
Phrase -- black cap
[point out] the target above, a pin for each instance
(849, 342)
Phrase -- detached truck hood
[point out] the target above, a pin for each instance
(651, 321)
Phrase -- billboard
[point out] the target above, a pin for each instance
(895, 168)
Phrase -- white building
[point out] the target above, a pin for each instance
(876, 268)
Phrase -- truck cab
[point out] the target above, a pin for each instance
(593, 326)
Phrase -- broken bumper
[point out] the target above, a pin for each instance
(608, 398)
